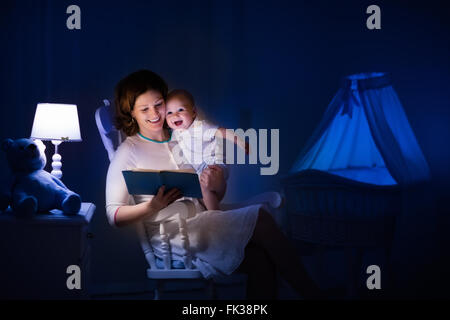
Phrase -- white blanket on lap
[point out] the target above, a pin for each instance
(217, 239)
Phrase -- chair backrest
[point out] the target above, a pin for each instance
(111, 137)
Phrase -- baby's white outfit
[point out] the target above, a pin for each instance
(199, 146)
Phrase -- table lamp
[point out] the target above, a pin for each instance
(57, 123)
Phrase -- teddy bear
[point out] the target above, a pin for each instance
(34, 189)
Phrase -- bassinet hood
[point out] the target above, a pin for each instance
(365, 135)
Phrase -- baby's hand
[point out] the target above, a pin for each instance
(242, 144)
(245, 146)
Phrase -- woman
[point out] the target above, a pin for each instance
(243, 240)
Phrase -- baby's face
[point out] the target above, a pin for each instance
(179, 113)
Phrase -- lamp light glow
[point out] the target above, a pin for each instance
(58, 123)
(54, 121)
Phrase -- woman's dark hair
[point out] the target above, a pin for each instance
(126, 93)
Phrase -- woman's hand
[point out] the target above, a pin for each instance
(133, 213)
(161, 200)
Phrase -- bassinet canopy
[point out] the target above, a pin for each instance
(365, 136)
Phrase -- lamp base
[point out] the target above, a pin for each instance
(56, 161)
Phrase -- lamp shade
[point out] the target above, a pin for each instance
(54, 121)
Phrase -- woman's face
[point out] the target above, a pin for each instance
(149, 111)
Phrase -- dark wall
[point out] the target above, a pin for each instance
(259, 64)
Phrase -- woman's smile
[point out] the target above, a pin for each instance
(155, 120)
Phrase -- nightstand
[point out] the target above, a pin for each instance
(36, 252)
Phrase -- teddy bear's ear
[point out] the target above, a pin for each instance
(6, 144)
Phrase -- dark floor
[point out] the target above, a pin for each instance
(197, 291)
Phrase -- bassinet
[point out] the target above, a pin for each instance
(344, 190)
(328, 209)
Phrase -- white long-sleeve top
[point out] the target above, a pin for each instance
(217, 238)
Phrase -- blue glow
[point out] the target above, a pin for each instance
(365, 136)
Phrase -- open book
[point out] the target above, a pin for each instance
(146, 181)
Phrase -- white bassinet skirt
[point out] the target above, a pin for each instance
(217, 239)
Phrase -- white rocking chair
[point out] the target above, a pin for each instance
(164, 270)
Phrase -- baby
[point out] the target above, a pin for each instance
(197, 140)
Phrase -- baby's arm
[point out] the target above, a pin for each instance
(228, 135)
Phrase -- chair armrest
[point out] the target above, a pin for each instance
(272, 198)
